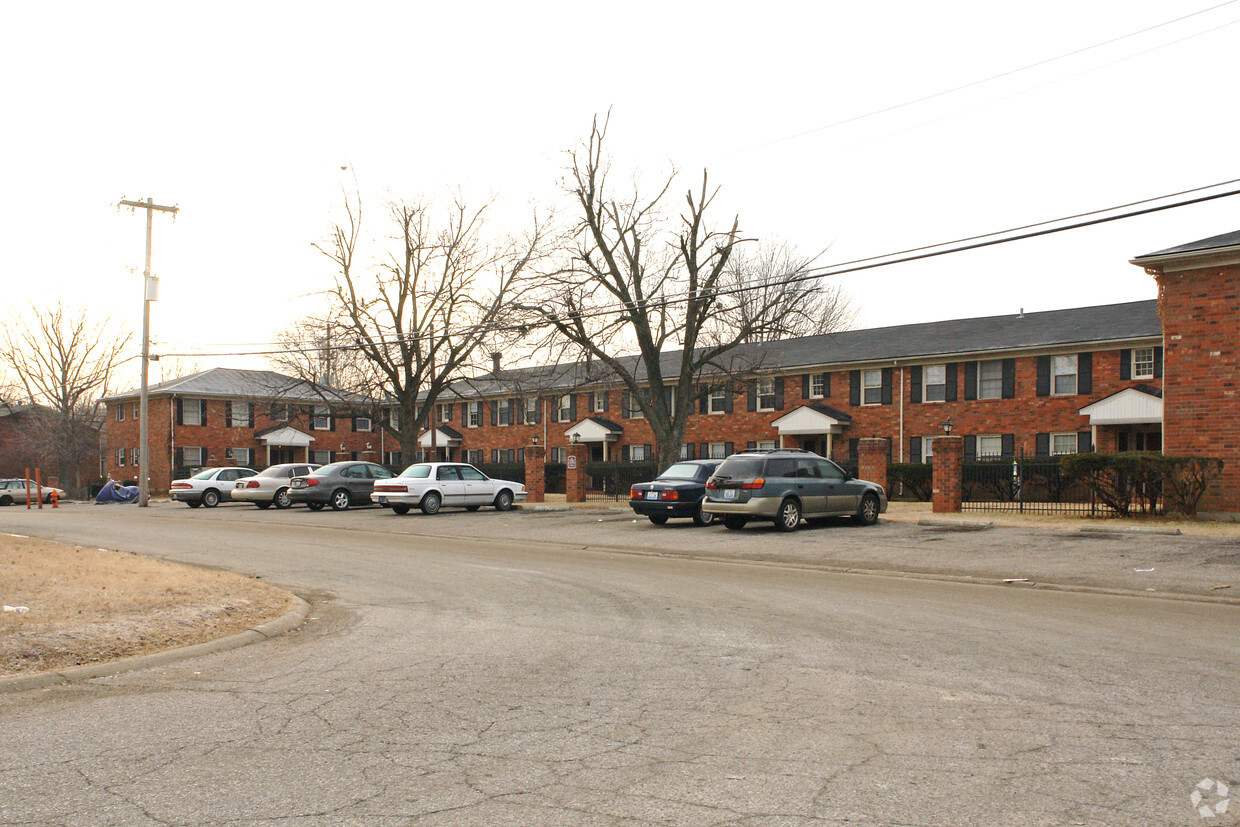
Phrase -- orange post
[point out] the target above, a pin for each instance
(38, 482)
(26, 485)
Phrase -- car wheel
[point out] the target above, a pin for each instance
(472, 507)
(401, 508)
(789, 516)
(430, 503)
(658, 519)
(283, 499)
(6, 500)
(703, 517)
(503, 500)
(867, 512)
(210, 498)
(193, 503)
(735, 523)
(340, 500)
(315, 506)
(263, 506)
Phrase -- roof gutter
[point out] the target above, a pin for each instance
(1190, 259)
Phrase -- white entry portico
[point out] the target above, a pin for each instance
(813, 426)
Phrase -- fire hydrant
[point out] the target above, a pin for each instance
(55, 498)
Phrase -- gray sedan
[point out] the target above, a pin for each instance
(340, 485)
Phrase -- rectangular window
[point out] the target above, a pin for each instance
(504, 414)
(531, 409)
(475, 457)
(322, 420)
(766, 394)
(391, 459)
(445, 412)
(1063, 374)
(935, 387)
(638, 453)
(136, 413)
(474, 411)
(363, 423)
(192, 456)
(394, 418)
(191, 412)
(120, 457)
(564, 411)
(1143, 363)
(989, 446)
(555, 454)
(134, 458)
(598, 402)
(120, 413)
(718, 402)
(321, 457)
(871, 387)
(765, 445)
(719, 450)
(927, 449)
(279, 412)
(1063, 443)
(240, 456)
(990, 379)
(508, 455)
(241, 416)
(635, 410)
(817, 387)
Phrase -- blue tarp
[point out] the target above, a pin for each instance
(113, 493)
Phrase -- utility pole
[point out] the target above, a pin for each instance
(150, 293)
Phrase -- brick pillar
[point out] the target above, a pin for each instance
(948, 488)
(575, 476)
(872, 460)
(535, 473)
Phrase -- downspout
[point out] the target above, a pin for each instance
(172, 430)
(901, 454)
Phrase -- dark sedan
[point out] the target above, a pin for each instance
(339, 485)
(677, 492)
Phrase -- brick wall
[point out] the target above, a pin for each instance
(1201, 415)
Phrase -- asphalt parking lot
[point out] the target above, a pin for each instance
(1108, 555)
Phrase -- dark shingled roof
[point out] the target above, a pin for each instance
(241, 384)
(1216, 242)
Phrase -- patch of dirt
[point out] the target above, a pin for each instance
(89, 605)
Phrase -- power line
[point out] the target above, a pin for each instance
(960, 245)
(1008, 73)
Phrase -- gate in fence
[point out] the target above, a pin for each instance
(1026, 485)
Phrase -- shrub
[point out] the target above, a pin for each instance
(917, 479)
(1141, 480)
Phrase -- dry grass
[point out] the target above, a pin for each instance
(88, 605)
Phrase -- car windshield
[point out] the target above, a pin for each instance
(274, 471)
(741, 467)
(681, 471)
(417, 471)
(205, 475)
(328, 470)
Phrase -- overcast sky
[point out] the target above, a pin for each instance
(244, 114)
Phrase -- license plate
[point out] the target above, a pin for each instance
(383, 501)
(298, 484)
(729, 493)
(652, 495)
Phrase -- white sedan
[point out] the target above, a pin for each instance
(433, 485)
(270, 486)
(208, 486)
(13, 492)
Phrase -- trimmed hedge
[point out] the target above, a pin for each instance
(1137, 481)
(916, 477)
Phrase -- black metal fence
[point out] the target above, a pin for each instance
(511, 471)
(1026, 485)
(611, 481)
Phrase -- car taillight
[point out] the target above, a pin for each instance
(670, 495)
(635, 494)
(391, 486)
(752, 484)
(712, 484)
(251, 484)
(181, 485)
(312, 481)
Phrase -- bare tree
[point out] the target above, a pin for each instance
(420, 312)
(64, 363)
(636, 283)
(759, 276)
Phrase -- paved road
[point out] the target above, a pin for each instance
(553, 669)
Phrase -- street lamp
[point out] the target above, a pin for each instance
(575, 437)
(534, 440)
(947, 426)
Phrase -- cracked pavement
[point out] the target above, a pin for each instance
(488, 669)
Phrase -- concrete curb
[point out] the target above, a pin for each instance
(77, 674)
(1170, 532)
(959, 525)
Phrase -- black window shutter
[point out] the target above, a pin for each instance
(887, 374)
(227, 414)
(949, 394)
(1084, 442)
(179, 453)
(728, 448)
(520, 411)
(1044, 378)
(727, 399)
(494, 455)
(703, 400)
(826, 384)
(513, 407)
(667, 397)
(1007, 445)
(572, 402)
(805, 386)
(1042, 445)
(1125, 364)
(624, 454)
(520, 455)
(494, 406)
(970, 380)
(750, 445)
(1158, 360)
(753, 394)
(647, 452)
(180, 416)
(353, 423)
(331, 422)
(970, 448)
(852, 449)
(854, 387)
(1009, 378)
(704, 450)
(914, 448)
(202, 412)
(464, 414)
(626, 408)
(1085, 373)
(779, 393)
(914, 393)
